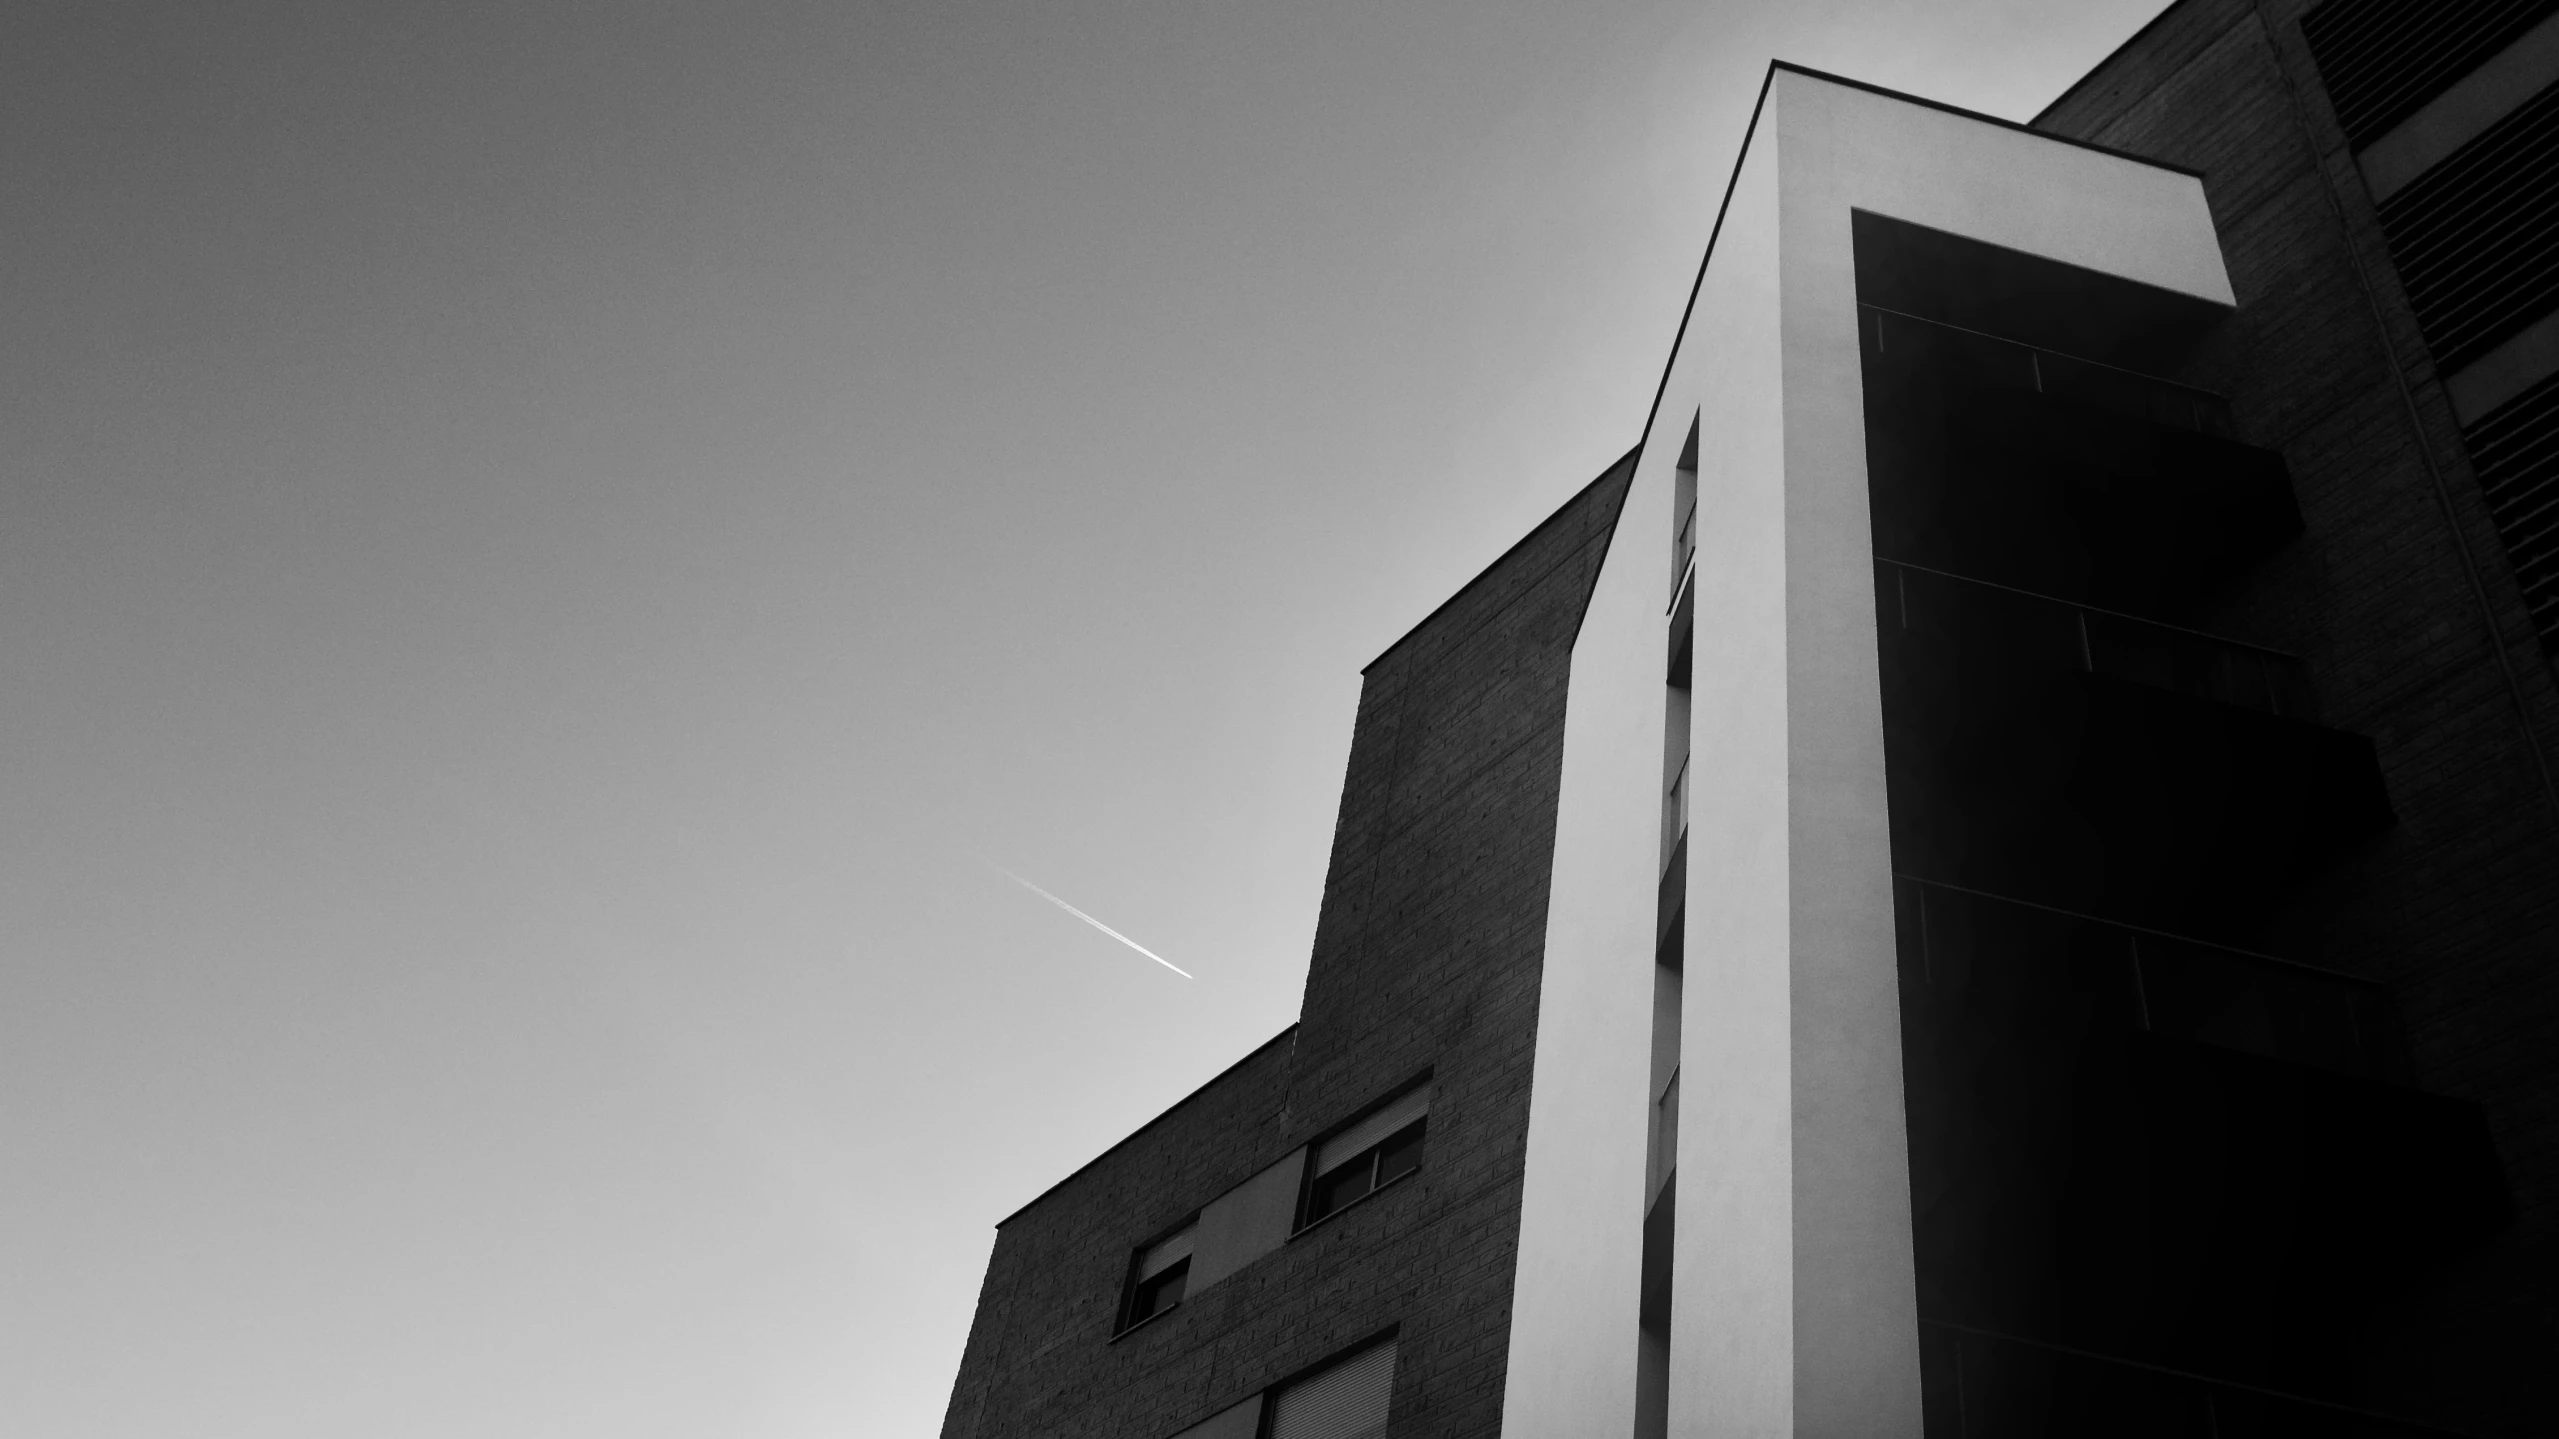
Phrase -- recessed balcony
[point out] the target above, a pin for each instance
(2125, 1143)
(1999, 461)
(2107, 766)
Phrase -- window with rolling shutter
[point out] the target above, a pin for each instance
(1369, 1155)
(1159, 1277)
(1346, 1400)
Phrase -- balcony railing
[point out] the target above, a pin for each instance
(1953, 354)
(2036, 628)
(2140, 979)
(1976, 1378)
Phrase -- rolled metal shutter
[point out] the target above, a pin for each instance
(1400, 1111)
(1165, 1252)
(1346, 1401)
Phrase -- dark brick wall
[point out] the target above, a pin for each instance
(2400, 599)
(1426, 955)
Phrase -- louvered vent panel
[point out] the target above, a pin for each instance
(2384, 59)
(2476, 237)
(2516, 452)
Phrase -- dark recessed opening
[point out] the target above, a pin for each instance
(1950, 279)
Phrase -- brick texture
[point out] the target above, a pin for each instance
(1426, 956)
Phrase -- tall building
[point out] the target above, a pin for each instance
(1996, 875)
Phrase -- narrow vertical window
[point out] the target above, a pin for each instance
(1683, 540)
(1661, 1147)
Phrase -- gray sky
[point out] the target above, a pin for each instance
(548, 551)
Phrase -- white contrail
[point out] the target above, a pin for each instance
(1097, 924)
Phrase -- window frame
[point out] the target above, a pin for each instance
(1134, 1282)
(1392, 1335)
(1372, 1157)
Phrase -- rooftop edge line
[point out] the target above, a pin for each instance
(1116, 1145)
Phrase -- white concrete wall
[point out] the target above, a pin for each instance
(1732, 1296)
(1573, 1304)
(1793, 1305)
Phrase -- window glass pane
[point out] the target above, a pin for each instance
(1162, 1292)
(1346, 1401)
(1400, 1155)
(1337, 1189)
(1363, 1136)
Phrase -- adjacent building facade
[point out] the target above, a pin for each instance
(1997, 875)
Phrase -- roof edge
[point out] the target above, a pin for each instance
(2021, 127)
(2072, 88)
(1751, 132)
(1124, 1140)
(1516, 545)
(1697, 286)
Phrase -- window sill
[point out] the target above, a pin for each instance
(1173, 1308)
(1315, 1224)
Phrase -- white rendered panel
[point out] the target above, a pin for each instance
(1732, 1296)
(1851, 147)
(1856, 1329)
(1573, 1304)
(1793, 1306)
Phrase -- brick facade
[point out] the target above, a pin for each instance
(1426, 956)
(2399, 598)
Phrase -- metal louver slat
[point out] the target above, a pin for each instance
(1346, 1401)
(2476, 238)
(2515, 450)
(2382, 60)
